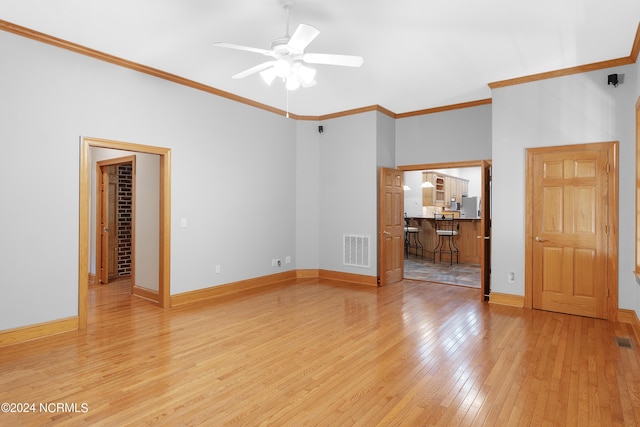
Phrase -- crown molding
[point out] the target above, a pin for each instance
(83, 50)
(445, 108)
(562, 72)
(631, 59)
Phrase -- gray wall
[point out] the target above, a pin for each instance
(348, 183)
(385, 141)
(307, 195)
(448, 136)
(566, 110)
(235, 184)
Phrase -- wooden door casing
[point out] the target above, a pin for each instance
(571, 193)
(391, 228)
(485, 232)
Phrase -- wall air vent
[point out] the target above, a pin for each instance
(356, 250)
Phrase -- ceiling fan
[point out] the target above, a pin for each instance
(289, 57)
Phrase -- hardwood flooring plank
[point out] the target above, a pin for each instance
(310, 351)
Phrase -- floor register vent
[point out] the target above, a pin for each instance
(356, 250)
(624, 342)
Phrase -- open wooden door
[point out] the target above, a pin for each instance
(113, 198)
(107, 206)
(485, 246)
(391, 229)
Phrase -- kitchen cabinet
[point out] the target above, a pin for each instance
(448, 189)
(443, 189)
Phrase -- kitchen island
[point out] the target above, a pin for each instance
(467, 239)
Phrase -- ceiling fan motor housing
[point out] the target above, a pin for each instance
(280, 47)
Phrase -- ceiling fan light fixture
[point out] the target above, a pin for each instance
(289, 57)
(282, 68)
(305, 74)
(268, 75)
(292, 83)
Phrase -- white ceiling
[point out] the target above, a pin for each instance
(418, 54)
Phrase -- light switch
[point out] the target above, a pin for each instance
(183, 223)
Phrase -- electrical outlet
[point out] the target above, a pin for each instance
(217, 269)
(511, 277)
(287, 260)
(274, 262)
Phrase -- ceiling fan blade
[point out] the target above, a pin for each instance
(329, 59)
(253, 70)
(301, 38)
(240, 47)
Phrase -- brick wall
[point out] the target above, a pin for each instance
(125, 217)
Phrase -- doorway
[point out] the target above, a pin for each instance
(461, 189)
(164, 218)
(115, 197)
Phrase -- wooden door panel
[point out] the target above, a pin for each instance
(584, 219)
(391, 226)
(569, 223)
(552, 269)
(585, 168)
(552, 212)
(584, 261)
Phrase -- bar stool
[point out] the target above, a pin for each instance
(409, 233)
(446, 229)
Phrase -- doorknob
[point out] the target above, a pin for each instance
(106, 229)
(485, 237)
(386, 233)
(540, 239)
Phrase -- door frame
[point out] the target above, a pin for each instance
(84, 206)
(486, 226)
(611, 221)
(485, 285)
(100, 201)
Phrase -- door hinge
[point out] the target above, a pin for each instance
(608, 167)
(606, 229)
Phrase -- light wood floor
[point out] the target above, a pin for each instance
(313, 352)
